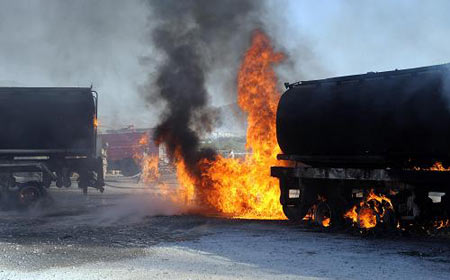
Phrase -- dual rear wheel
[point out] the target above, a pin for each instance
(317, 203)
(320, 213)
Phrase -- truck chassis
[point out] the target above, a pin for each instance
(23, 181)
(333, 190)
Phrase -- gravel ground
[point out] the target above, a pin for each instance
(129, 233)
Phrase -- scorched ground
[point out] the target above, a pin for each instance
(120, 235)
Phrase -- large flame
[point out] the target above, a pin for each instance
(243, 187)
(149, 168)
(149, 163)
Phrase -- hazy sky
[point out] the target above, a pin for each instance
(357, 36)
(102, 42)
(78, 43)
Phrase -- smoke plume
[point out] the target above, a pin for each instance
(194, 38)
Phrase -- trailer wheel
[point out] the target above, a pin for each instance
(323, 214)
(390, 219)
(29, 194)
(294, 213)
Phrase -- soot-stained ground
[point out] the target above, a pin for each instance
(128, 232)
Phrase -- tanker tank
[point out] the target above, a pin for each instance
(387, 118)
(47, 121)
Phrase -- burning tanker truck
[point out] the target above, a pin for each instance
(47, 134)
(369, 149)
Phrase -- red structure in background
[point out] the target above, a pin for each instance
(124, 146)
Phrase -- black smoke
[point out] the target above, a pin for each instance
(194, 37)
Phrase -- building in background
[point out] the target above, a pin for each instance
(126, 147)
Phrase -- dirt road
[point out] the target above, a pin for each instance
(127, 233)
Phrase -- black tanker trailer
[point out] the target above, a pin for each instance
(47, 135)
(384, 132)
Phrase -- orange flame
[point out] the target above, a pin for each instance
(367, 218)
(317, 216)
(243, 188)
(437, 166)
(370, 210)
(352, 214)
(379, 198)
(310, 215)
(149, 169)
(326, 222)
(442, 224)
(149, 163)
(186, 193)
(143, 140)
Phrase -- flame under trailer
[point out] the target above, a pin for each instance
(47, 135)
(383, 131)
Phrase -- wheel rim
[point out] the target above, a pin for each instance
(29, 195)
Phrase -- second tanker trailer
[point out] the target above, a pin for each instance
(46, 135)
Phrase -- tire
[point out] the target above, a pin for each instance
(323, 214)
(29, 194)
(294, 213)
(390, 219)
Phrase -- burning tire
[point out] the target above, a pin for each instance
(323, 214)
(368, 218)
(373, 211)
